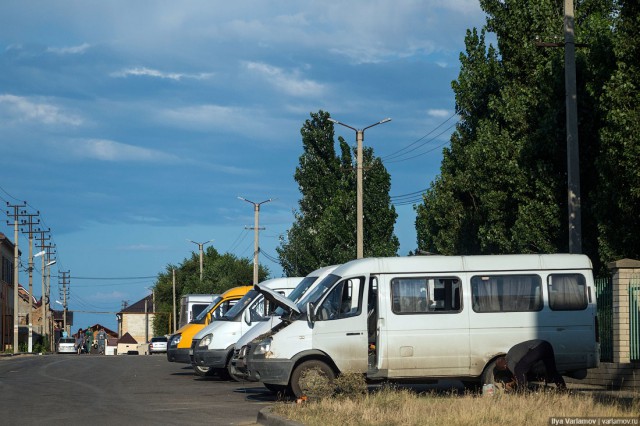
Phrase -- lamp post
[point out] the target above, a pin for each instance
(200, 248)
(256, 220)
(359, 188)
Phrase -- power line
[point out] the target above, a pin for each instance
(407, 149)
(114, 278)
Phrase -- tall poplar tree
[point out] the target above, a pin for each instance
(502, 186)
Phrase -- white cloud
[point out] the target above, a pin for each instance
(439, 113)
(148, 72)
(71, 50)
(290, 82)
(107, 150)
(21, 109)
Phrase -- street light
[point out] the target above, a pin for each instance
(256, 215)
(359, 189)
(200, 248)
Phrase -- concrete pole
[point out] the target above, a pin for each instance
(16, 273)
(359, 184)
(359, 197)
(30, 341)
(174, 300)
(256, 235)
(573, 157)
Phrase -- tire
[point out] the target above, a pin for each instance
(225, 373)
(202, 371)
(492, 376)
(298, 372)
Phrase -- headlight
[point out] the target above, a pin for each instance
(263, 347)
(243, 352)
(205, 340)
(175, 340)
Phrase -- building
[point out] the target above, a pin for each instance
(6, 292)
(137, 320)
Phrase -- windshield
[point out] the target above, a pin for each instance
(297, 293)
(234, 313)
(202, 315)
(315, 295)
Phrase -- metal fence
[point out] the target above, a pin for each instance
(634, 317)
(604, 299)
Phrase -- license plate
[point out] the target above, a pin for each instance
(190, 352)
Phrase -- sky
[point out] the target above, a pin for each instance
(133, 127)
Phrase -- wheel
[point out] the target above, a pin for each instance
(202, 371)
(319, 389)
(492, 376)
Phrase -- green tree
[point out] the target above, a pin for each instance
(220, 273)
(618, 170)
(324, 228)
(502, 186)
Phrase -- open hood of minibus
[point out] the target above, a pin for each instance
(277, 299)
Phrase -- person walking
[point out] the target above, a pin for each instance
(79, 341)
(88, 339)
(102, 336)
(521, 358)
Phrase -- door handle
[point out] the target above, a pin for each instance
(354, 334)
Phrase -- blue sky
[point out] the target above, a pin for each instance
(134, 126)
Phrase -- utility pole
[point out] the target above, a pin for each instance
(64, 280)
(29, 222)
(174, 299)
(201, 249)
(16, 270)
(256, 228)
(359, 184)
(574, 209)
(42, 246)
(48, 262)
(573, 158)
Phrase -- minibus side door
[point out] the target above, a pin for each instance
(340, 326)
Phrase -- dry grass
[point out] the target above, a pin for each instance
(390, 406)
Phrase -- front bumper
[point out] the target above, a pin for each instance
(212, 358)
(275, 371)
(178, 355)
(238, 367)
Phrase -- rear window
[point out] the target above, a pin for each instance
(159, 339)
(67, 340)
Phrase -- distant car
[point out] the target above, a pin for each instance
(67, 345)
(158, 345)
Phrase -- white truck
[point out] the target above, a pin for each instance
(426, 318)
(192, 304)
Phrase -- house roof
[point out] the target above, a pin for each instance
(128, 339)
(138, 307)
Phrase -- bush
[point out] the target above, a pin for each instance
(350, 384)
(315, 384)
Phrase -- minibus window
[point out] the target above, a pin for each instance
(413, 295)
(506, 293)
(567, 292)
(343, 301)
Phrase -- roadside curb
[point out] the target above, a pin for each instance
(267, 418)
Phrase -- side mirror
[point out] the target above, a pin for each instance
(311, 317)
(247, 316)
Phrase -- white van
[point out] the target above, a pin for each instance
(434, 317)
(192, 304)
(238, 365)
(212, 347)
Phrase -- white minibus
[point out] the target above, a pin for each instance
(426, 318)
(238, 365)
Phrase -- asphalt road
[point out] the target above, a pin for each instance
(93, 390)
